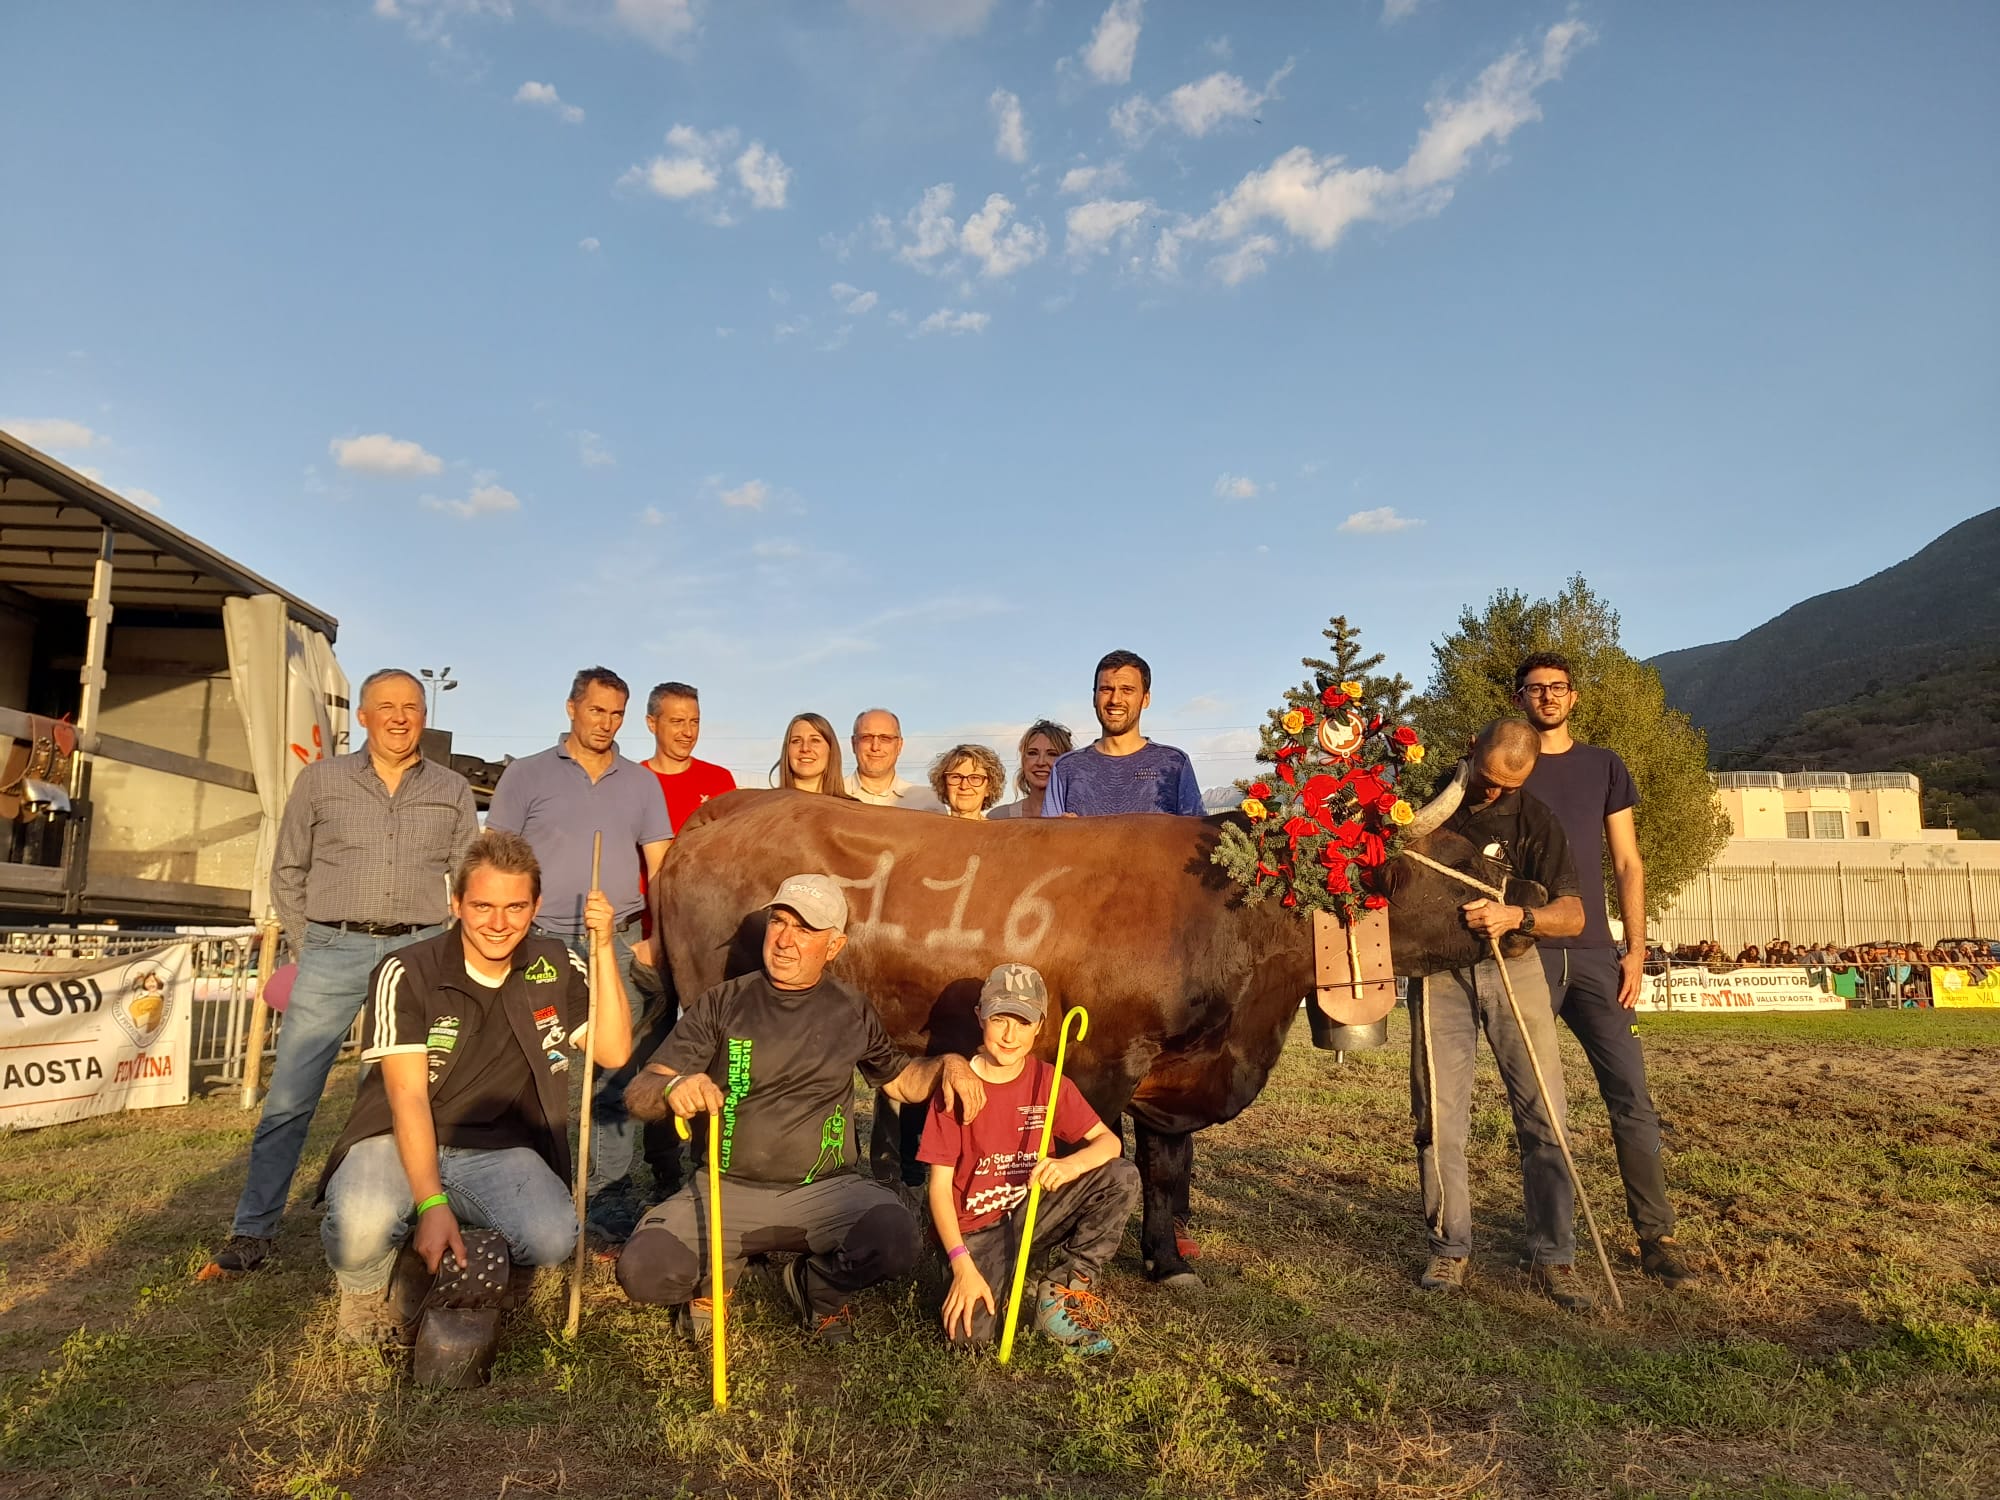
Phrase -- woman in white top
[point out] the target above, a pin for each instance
(968, 779)
(1044, 741)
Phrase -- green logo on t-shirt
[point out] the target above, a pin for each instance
(541, 971)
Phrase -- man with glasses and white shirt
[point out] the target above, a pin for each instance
(878, 743)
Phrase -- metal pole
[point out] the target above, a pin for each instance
(1971, 906)
(1777, 902)
(96, 643)
(1840, 880)
(1909, 910)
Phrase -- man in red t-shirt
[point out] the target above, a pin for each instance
(673, 714)
(980, 1172)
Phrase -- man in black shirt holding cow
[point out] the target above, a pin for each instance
(1449, 1010)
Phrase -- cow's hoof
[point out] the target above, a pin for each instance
(1183, 1281)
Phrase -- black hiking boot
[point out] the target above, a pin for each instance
(239, 1256)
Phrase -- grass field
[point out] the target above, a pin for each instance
(1838, 1178)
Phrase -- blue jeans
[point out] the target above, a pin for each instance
(612, 1131)
(369, 1211)
(328, 994)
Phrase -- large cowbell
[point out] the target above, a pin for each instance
(460, 1329)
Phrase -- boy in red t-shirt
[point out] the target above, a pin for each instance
(980, 1173)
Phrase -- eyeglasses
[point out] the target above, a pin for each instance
(878, 739)
(968, 778)
(1546, 690)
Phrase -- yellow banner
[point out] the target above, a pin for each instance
(1954, 989)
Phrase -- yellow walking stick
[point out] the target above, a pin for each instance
(718, 1380)
(1082, 1018)
(583, 1123)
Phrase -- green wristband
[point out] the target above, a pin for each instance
(436, 1200)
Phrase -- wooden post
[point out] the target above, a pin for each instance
(260, 1016)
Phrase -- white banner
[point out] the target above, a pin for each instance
(87, 1036)
(1696, 988)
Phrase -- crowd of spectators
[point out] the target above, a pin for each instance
(1870, 972)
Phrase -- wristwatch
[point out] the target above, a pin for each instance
(1527, 920)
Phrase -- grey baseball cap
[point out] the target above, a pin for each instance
(1014, 990)
(816, 899)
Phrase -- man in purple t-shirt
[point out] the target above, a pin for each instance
(1122, 771)
(1595, 989)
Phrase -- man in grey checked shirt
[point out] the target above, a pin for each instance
(364, 854)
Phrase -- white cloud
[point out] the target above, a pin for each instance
(695, 162)
(430, 20)
(1002, 248)
(590, 448)
(1010, 130)
(379, 454)
(145, 499)
(1378, 522)
(1085, 181)
(1246, 260)
(1108, 55)
(589, 244)
(544, 95)
(1194, 109)
(949, 320)
(652, 515)
(1317, 199)
(666, 24)
(486, 499)
(1398, 10)
(764, 176)
(853, 301)
(1237, 487)
(1135, 119)
(933, 232)
(56, 433)
(935, 17)
(1092, 226)
(749, 495)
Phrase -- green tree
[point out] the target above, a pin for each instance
(1620, 706)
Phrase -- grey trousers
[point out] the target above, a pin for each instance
(1447, 1013)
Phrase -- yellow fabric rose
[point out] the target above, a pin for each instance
(1414, 754)
(1293, 722)
(1352, 689)
(1402, 813)
(1253, 809)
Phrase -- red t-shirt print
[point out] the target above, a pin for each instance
(694, 786)
(993, 1157)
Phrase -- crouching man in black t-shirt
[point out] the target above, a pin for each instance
(770, 1058)
(466, 1121)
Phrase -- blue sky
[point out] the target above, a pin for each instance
(835, 354)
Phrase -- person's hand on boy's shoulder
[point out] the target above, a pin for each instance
(960, 1089)
(968, 1290)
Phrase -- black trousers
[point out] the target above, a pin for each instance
(1583, 984)
(1076, 1231)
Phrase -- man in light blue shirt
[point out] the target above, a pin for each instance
(1122, 771)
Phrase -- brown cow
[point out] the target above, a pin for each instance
(1190, 990)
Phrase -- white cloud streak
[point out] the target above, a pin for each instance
(1010, 129)
(669, 25)
(487, 499)
(1093, 226)
(544, 96)
(749, 495)
(1088, 181)
(383, 456)
(695, 161)
(1237, 487)
(949, 320)
(57, 434)
(1108, 55)
(999, 243)
(1378, 522)
(853, 301)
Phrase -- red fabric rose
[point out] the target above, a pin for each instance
(1384, 802)
(1404, 735)
(1333, 697)
(1260, 790)
(1375, 902)
(1308, 716)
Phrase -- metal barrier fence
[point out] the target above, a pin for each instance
(225, 991)
(1839, 904)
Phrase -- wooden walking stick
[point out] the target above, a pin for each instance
(718, 1373)
(1027, 1246)
(1535, 1062)
(583, 1125)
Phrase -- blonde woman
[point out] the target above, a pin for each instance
(810, 759)
(1040, 746)
(968, 779)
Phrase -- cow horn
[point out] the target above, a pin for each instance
(1431, 816)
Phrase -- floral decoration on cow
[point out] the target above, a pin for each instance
(1329, 815)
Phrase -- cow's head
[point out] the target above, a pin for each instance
(1426, 932)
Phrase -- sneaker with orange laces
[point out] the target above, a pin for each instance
(821, 1328)
(1071, 1314)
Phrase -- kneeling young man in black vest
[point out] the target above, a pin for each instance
(466, 1120)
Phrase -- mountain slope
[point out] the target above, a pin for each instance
(1936, 611)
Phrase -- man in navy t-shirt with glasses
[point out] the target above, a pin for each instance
(1593, 987)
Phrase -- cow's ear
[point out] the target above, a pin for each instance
(1392, 877)
(1526, 893)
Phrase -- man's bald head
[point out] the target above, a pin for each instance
(1502, 756)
